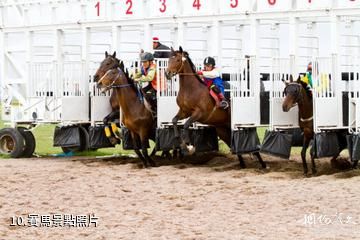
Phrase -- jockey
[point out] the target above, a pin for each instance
(148, 74)
(308, 77)
(212, 77)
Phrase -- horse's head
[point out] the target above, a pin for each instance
(176, 62)
(110, 62)
(112, 78)
(292, 94)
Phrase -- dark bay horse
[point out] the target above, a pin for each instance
(136, 117)
(195, 102)
(111, 62)
(296, 93)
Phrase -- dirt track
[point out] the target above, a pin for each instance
(178, 200)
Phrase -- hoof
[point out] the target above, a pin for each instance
(152, 164)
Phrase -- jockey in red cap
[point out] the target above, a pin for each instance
(161, 51)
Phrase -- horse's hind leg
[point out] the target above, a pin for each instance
(145, 153)
(241, 161)
(313, 166)
(258, 156)
(136, 141)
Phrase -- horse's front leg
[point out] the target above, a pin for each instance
(307, 138)
(144, 151)
(195, 116)
(179, 116)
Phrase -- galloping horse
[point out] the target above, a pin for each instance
(196, 103)
(296, 93)
(136, 117)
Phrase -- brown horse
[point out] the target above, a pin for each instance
(136, 117)
(297, 93)
(196, 103)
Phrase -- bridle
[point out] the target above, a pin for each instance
(112, 84)
(299, 99)
(179, 71)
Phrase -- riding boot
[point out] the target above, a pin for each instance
(223, 103)
(115, 130)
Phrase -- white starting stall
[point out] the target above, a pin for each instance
(49, 51)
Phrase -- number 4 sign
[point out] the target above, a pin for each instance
(195, 7)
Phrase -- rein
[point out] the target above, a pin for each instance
(113, 85)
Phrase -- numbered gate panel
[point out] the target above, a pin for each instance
(348, 3)
(236, 6)
(314, 4)
(354, 95)
(354, 115)
(274, 5)
(326, 112)
(245, 112)
(281, 69)
(100, 108)
(279, 118)
(198, 7)
(162, 8)
(167, 109)
(75, 108)
(327, 95)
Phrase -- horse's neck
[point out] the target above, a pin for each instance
(192, 84)
(127, 99)
(306, 106)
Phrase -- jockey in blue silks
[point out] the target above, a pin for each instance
(212, 77)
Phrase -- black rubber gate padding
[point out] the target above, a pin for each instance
(30, 143)
(277, 143)
(245, 141)
(97, 138)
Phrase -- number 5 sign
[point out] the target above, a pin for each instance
(274, 5)
(234, 6)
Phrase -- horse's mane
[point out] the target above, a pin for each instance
(193, 68)
(304, 85)
(127, 75)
